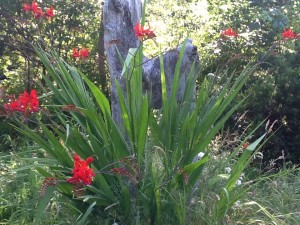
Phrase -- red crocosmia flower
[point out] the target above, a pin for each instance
(38, 14)
(82, 173)
(142, 33)
(75, 53)
(26, 103)
(229, 32)
(13, 106)
(34, 6)
(26, 7)
(34, 102)
(70, 108)
(36, 10)
(84, 53)
(49, 12)
(289, 34)
(121, 171)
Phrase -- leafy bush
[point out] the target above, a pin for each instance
(75, 24)
(143, 169)
(275, 88)
(272, 89)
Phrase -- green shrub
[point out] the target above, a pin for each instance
(153, 155)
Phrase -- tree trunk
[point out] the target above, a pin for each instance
(103, 70)
(119, 18)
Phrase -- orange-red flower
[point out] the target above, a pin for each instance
(70, 108)
(82, 173)
(84, 53)
(26, 7)
(229, 32)
(121, 171)
(49, 12)
(289, 34)
(142, 33)
(48, 181)
(34, 6)
(36, 10)
(26, 103)
(75, 53)
(124, 172)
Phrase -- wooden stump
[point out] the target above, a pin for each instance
(119, 18)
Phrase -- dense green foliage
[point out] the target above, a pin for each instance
(259, 24)
(273, 89)
(156, 152)
(75, 24)
(164, 184)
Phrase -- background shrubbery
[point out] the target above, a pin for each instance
(259, 24)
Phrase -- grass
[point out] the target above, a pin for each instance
(270, 199)
(264, 197)
(20, 187)
(275, 200)
(265, 200)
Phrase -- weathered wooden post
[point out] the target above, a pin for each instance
(151, 69)
(119, 18)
